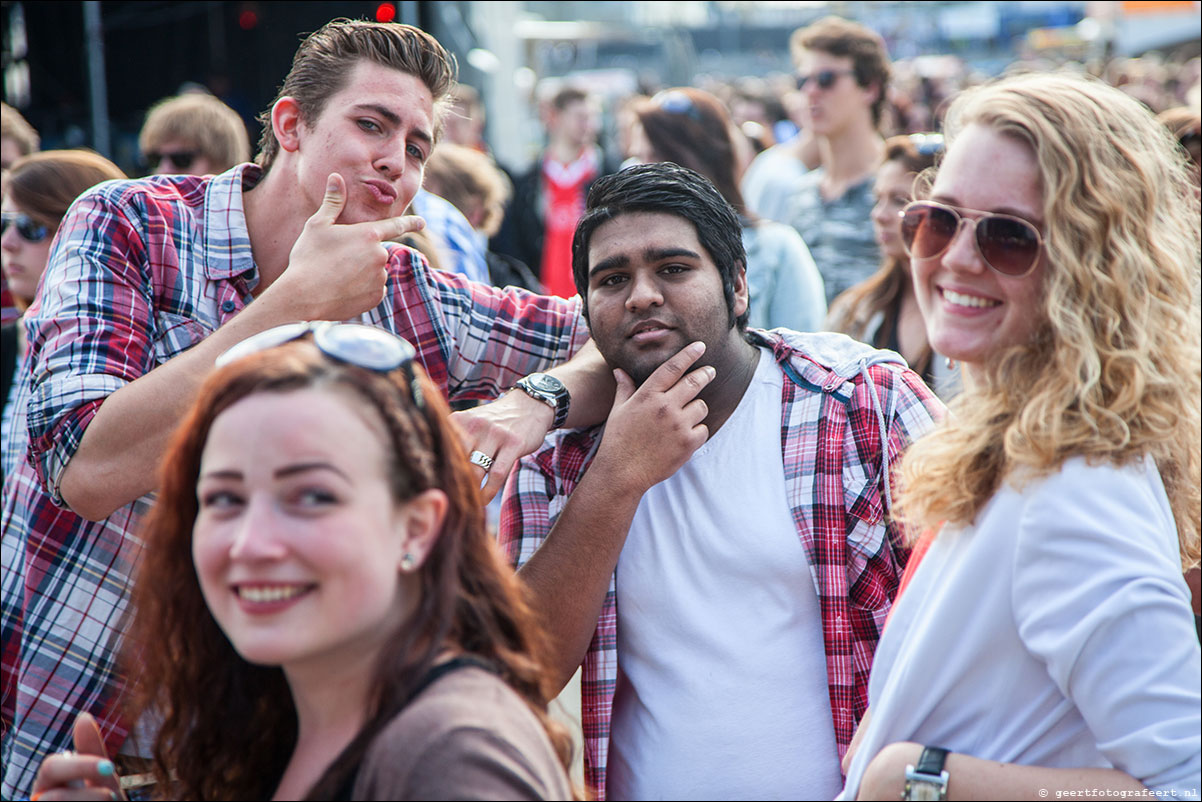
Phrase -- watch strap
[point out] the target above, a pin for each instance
(931, 760)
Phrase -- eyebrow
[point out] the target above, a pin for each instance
(650, 255)
(392, 118)
(280, 473)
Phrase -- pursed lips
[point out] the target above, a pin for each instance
(384, 192)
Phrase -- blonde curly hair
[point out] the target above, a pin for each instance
(1115, 369)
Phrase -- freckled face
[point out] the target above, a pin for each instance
(298, 541)
(377, 132)
(972, 312)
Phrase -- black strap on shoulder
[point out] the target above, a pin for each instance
(347, 788)
(454, 664)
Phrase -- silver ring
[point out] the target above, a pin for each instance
(481, 459)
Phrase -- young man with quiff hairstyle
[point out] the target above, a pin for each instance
(149, 281)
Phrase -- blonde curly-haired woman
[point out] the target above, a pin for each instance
(1046, 642)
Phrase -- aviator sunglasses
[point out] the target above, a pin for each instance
(180, 159)
(824, 78)
(1009, 245)
(27, 227)
(353, 343)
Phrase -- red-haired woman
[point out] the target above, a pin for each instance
(320, 612)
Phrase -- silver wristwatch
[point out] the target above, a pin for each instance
(927, 780)
(550, 391)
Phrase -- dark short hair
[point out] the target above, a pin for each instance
(325, 59)
(567, 96)
(665, 188)
(846, 39)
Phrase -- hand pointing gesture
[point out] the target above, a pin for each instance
(338, 271)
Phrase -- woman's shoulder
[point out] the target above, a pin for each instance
(1083, 477)
(1090, 504)
(468, 735)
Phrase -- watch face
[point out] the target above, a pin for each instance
(545, 383)
(925, 791)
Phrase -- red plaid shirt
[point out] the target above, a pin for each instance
(141, 271)
(841, 404)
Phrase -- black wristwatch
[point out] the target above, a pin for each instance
(550, 391)
(927, 780)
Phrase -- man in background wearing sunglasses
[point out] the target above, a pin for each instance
(722, 554)
(192, 134)
(842, 74)
(150, 280)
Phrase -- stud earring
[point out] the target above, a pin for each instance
(408, 562)
(951, 363)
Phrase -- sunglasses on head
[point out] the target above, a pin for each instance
(927, 144)
(674, 101)
(179, 159)
(353, 343)
(1009, 245)
(825, 78)
(27, 227)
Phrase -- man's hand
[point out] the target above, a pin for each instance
(335, 271)
(85, 774)
(507, 429)
(652, 431)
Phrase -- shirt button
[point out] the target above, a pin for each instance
(249, 274)
(228, 306)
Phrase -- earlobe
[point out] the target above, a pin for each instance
(286, 123)
(873, 90)
(419, 523)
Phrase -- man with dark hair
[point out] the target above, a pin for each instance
(192, 134)
(549, 197)
(149, 281)
(843, 76)
(720, 553)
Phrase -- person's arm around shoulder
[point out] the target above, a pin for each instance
(515, 424)
(649, 434)
(119, 451)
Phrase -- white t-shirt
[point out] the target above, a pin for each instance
(722, 689)
(1056, 632)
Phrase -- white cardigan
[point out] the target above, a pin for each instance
(1055, 632)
